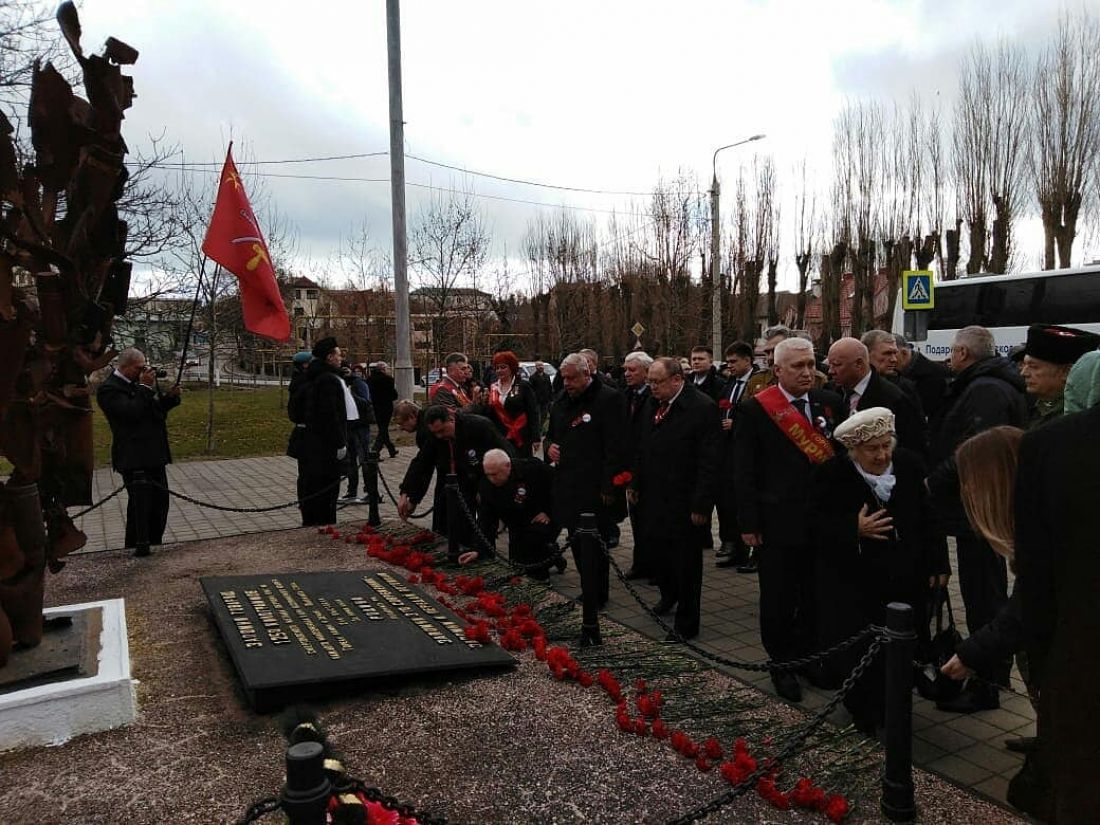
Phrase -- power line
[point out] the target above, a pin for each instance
(346, 179)
(440, 164)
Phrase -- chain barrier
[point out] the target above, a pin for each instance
(793, 747)
(525, 567)
(258, 809)
(389, 492)
(767, 666)
(211, 506)
(99, 503)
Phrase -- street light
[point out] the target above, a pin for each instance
(715, 249)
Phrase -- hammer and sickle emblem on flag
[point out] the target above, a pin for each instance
(260, 254)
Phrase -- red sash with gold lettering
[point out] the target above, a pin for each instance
(790, 422)
(514, 424)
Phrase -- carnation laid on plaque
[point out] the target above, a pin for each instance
(293, 636)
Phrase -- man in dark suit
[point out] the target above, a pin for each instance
(383, 394)
(863, 388)
(587, 442)
(544, 390)
(782, 434)
(745, 380)
(456, 443)
(677, 473)
(137, 412)
(704, 375)
(639, 409)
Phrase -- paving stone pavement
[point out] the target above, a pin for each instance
(968, 750)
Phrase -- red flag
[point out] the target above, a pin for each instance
(235, 241)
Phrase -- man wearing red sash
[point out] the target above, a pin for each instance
(782, 434)
(450, 389)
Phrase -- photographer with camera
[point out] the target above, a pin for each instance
(137, 411)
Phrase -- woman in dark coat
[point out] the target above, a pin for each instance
(875, 543)
(513, 406)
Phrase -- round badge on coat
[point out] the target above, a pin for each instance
(586, 418)
(472, 456)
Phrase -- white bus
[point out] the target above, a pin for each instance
(1005, 304)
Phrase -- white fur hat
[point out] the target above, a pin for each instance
(864, 425)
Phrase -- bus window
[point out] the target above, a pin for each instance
(955, 307)
(1008, 303)
(1070, 299)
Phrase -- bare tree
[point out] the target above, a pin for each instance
(449, 242)
(806, 237)
(563, 253)
(362, 262)
(1066, 128)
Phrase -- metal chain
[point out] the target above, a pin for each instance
(389, 492)
(99, 503)
(767, 666)
(258, 809)
(223, 508)
(405, 810)
(792, 748)
(490, 546)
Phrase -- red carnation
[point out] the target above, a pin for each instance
(836, 808)
(702, 764)
(660, 729)
(724, 404)
(622, 479)
(640, 727)
(583, 678)
(712, 749)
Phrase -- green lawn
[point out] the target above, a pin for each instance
(247, 422)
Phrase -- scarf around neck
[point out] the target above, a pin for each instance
(882, 485)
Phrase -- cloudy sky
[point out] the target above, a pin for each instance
(597, 94)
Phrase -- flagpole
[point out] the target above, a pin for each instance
(191, 321)
(403, 356)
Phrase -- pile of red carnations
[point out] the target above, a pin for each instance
(637, 713)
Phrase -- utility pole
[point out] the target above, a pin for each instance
(403, 366)
(716, 250)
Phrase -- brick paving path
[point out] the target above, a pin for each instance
(966, 749)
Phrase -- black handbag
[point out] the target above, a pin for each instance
(930, 682)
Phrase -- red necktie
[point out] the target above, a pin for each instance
(662, 411)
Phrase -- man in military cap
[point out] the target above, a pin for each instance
(1048, 356)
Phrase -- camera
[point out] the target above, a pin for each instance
(160, 373)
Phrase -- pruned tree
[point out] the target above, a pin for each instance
(563, 254)
(1065, 110)
(806, 236)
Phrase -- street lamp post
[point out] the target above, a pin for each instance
(716, 249)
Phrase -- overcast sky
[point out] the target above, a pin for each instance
(594, 94)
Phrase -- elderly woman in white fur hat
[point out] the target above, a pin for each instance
(874, 542)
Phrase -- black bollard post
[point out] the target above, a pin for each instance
(586, 539)
(304, 798)
(139, 493)
(897, 775)
(454, 518)
(370, 482)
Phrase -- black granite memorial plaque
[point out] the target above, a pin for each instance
(295, 636)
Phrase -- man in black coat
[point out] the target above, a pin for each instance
(885, 356)
(455, 443)
(987, 392)
(929, 377)
(782, 434)
(326, 401)
(543, 387)
(383, 393)
(704, 377)
(640, 407)
(519, 493)
(863, 388)
(677, 474)
(745, 380)
(137, 412)
(1057, 490)
(586, 441)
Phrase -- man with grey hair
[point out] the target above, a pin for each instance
(518, 493)
(987, 392)
(640, 406)
(783, 433)
(137, 412)
(587, 441)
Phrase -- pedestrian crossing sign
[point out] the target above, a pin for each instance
(918, 291)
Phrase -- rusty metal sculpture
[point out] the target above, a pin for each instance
(63, 278)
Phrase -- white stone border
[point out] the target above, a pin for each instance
(51, 714)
